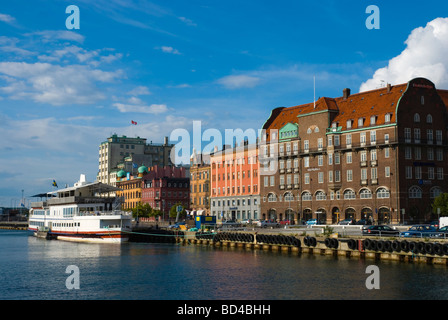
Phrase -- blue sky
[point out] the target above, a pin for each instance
(166, 64)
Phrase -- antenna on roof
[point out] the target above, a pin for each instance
(314, 92)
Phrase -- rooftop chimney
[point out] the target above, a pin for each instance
(346, 93)
(388, 87)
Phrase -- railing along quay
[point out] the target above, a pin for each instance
(412, 250)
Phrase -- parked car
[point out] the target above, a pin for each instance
(380, 230)
(443, 232)
(285, 222)
(420, 231)
(346, 222)
(246, 221)
(311, 222)
(363, 222)
(268, 223)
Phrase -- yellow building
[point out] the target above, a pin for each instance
(131, 187)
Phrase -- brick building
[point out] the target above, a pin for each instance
(200, 184)
(164, 187)
(235, 181)
(378, 155)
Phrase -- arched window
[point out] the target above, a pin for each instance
(416, 117)
(382, 193)
(320, 195)
(435, 192)
(365, 194)
(272, 197)
(306, 196)
(349, 194)
(429, 118)
(289, 196)
(415, 192)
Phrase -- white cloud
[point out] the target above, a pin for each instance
(425, 55)
(56, 85)
(55, 35)
(139, 91)
(239, 81)
(187, 21)
(138, 108)
(169, 50)
(6, 18)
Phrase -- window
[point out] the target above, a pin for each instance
(408, 153)
(349, 175)
(374, 173)
(330, 176)
(337, 158)
(387, 117)
(365, 194)
(430, 154)
(306, 196)
(429, 136)
(349, 124)
(320, 177)
(272, 181)
(431, 173)
(439, 173)
(320, 160)
(348, 157)
(289, 197)
(360, 122)
(306, 162)
(418, 172)
(372, 120)
(306, 145)
(307, 178)
(435, 192)
(348, 139)
(416, 118)
(330, 141)
(415, 192)
(337, 176)
(407, 134)
(418, 153)
(336, 140)
(386, 152)
(417, 135)
(272, 197)
(408, 172)
(330, 159)
(362, 138)
(439, 154)
(439, 136)
(372, 137)
(373, 155)
(320, 195)
(429, 118)
(363, 174)
(363, 156)
(382, 193)
(349, 194)
(387, 172)
(320, 143)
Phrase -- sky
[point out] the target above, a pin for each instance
(164, 64)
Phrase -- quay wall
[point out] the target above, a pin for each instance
(410, 250)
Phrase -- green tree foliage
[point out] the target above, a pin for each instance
(173, 211)
(441, 202)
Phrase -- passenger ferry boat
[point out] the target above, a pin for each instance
(86, 212)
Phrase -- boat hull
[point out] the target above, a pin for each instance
(88, 237)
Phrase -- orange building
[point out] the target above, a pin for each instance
(235, 181)
(131, 187)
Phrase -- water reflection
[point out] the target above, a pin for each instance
(35, 269)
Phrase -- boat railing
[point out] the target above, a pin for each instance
(103, 213)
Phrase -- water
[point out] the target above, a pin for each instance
(34, 269)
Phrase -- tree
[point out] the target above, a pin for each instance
(142, 210)
(441, 201)
(173, 211)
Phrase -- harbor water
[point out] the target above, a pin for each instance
(36, 269)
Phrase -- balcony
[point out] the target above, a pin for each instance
(282, 187)
(374, 181)
(363, 182)
(373, 163)
(363, 164)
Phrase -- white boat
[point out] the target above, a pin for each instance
(82, 213)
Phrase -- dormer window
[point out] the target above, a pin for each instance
(360, 122)
(349, 124)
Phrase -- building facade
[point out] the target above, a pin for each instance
(199, 184)
(125, 153)
(378, 155)
(235, 181)
(131, 187)
(165, 187)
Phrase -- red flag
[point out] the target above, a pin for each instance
(133, 122)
